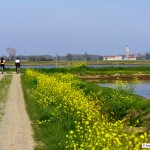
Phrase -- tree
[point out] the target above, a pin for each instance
(58, 57)
(11, 52)
(147, 56)
(69, 57)
(32, 58)
(100, 57)
(87, 57)
(140, 56)
(78, 57)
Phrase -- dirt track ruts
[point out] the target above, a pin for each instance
(15, 127)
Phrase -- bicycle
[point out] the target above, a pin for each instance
(2, 69)
(18, 69)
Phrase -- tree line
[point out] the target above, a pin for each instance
(69, 56)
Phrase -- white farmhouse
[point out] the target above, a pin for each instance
(118, 57)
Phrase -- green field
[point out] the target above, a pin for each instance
(74, 62)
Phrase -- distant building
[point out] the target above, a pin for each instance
(129, 56)
(118, 57)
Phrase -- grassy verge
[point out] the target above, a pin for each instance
(10, 70)
(83, 70)
(50, 128)
(4, 86)
(50, 135)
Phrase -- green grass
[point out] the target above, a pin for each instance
(10, 70)
(52, 134)
(83, 70)
(4, 86)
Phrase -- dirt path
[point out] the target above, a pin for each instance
(15, 128)
(1, 76)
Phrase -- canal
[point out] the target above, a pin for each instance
(142, 88)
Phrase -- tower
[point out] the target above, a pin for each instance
(127, 51)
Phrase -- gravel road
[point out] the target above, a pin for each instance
(15, 127)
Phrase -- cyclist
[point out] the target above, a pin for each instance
(17, 64)
(2, 64)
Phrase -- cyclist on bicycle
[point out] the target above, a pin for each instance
(2, 64)
(17, 64)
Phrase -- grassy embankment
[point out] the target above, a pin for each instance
(51, 122)
(4, 86)
(83, 70)
(106, 73)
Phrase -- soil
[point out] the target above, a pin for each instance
(1, 76)
(116, 76)
(15, 127)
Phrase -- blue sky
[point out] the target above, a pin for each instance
(47, 27)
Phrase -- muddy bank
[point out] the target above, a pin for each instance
(116, 76)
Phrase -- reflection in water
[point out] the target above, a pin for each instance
(142, 89)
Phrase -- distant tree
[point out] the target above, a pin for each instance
(42, 58)
(22, 57)
(78, 57)
(147, 56)
(45, 58)
(58, 57)
(85, 55)
(69, 57)
(88, 57)
(32, 58)
(11, 52)
(140, 56)
(100, 57)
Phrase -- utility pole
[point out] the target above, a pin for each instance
(85, 56)
(56, 60)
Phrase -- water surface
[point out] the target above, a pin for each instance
(142, 89)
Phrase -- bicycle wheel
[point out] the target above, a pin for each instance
(2, 70)
(18, 69)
